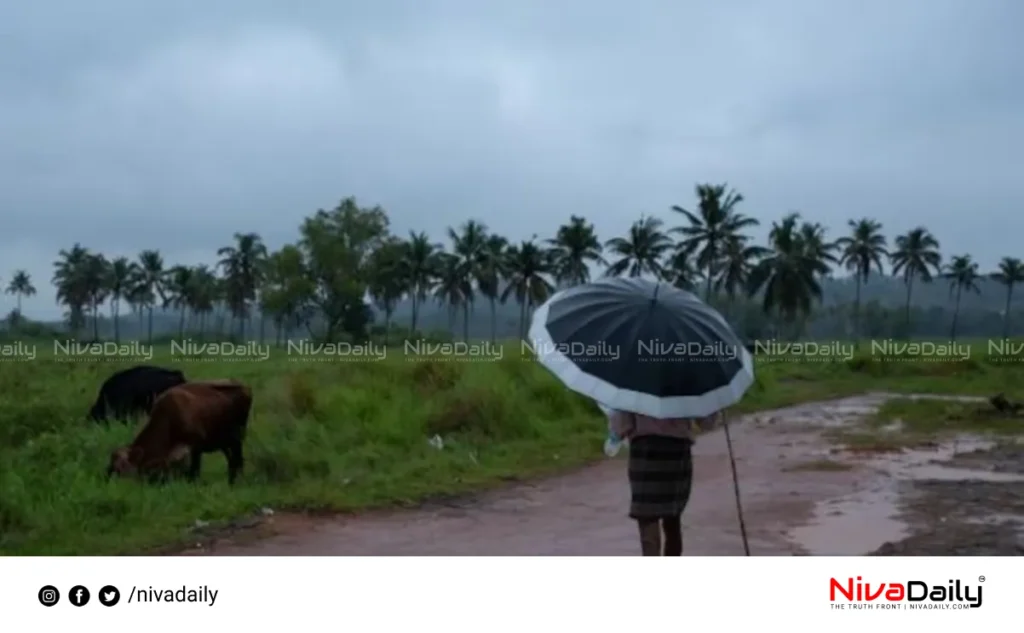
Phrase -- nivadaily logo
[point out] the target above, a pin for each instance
(910, 594)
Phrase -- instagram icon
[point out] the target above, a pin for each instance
(49, 596)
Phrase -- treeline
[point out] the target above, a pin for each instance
(349, 277)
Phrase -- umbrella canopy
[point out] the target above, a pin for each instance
(642, 346)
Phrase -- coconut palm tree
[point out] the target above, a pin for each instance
(20, 286)
(205, 294)
(1010, 273)
(421, 261)
(150, 284)
(680, 269)
(789, 274)
(243, 266)
(528, 269)
(962, 274)
(817, 246)
(574, 247)
(387, 283)
(916, 256)
(179, 286)
(120, 274)
(711, 228)
(739, 257)
(493, 269)
(469, 246)
(94, 278)
(453, 286)
(861, 252)
(70, 281)
(642, 251)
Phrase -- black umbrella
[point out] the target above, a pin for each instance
(642, 346)
(645, 347)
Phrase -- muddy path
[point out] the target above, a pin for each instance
(796, 502)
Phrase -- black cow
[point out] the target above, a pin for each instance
(133, 391)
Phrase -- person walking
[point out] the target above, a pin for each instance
(660, 474)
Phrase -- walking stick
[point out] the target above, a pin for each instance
(736, 487)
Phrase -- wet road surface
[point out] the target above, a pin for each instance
(790, 507)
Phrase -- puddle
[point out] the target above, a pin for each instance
(851, 526)
(924, 464)
(865, 521)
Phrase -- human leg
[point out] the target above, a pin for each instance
(673, 529)
(650, 537)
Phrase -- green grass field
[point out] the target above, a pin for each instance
(343, 436)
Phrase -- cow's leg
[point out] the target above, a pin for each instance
(235, 460)
(196, 459)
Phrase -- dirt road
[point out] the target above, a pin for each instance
(790, 506)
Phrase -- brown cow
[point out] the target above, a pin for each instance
(189, 420)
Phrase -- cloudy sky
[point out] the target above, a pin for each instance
(127, 125)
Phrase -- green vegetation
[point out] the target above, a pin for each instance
(338, 436)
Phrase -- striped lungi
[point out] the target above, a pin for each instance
(660, 476)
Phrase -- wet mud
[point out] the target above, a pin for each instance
(800, 497)
(973, 507)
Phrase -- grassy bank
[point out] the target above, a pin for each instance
(344, 436)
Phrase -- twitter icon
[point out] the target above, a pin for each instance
(109, 596)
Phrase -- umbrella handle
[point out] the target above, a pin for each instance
(736, 487)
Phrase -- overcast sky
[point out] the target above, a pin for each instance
(128, 124)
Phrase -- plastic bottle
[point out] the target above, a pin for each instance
(612, 445)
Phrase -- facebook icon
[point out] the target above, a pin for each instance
(79, 596)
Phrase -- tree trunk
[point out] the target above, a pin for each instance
(1006, 312)
(856, 316)
(415, 310)
(181, 323)
(387, 325)
(151, 324)
(494, 320)
(910, 287)
(465, 321)
(116, 308)
(956, 313)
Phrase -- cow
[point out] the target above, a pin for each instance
(187, 421)
(133, 391)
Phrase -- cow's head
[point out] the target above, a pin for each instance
(98, 412)
(125, 461)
